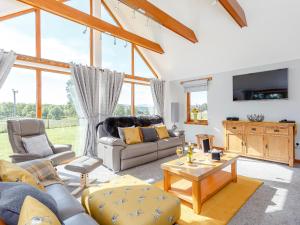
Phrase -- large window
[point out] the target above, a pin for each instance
(64, 40)
(197, 107)
(59, 113)
(124, 104)
(18, 34)
(17, 99)
(143, 100)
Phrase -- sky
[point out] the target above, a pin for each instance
(65, 41)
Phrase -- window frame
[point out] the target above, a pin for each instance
(188, 113)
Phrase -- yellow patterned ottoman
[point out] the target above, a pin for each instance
(127, 200)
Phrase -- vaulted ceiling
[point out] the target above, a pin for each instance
(272, 34)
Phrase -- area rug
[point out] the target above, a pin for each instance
(220, 208)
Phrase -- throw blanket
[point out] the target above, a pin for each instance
(43, 170)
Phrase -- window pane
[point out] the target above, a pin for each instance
(124, 104)
(106, 17)
(116, 54)
(199, 104)
(58, 110)
(143, 100)
(64, 40)
(23, 83)
(82, 5)
(140, 67)
(18, 34)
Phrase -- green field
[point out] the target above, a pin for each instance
(66, 135)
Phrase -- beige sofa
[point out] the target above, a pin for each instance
(118, 156)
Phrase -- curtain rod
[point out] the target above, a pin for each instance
(204, 78)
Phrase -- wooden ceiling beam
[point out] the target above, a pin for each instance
(67, 12)
(162, 18)
(236, 11)
(16, 14)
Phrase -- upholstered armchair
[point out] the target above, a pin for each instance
(18, 129)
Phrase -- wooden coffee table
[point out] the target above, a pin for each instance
(203, 177)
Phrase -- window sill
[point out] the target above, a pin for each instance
(199, 122)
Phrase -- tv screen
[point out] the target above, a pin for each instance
(260, 86)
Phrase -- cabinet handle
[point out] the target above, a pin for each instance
(233, 128)
(276, 130)
(254, 129)
(267, 146)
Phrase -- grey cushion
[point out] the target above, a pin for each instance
(11, 203)
(61, 157)
(37, 145)
(61, 148)
(67, 205)
(83, 165)
(149, 134)
(138, 150)
(80, 219)
(169, 143)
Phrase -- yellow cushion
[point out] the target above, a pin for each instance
(162, 132)
(10, 172)
(128, 200)
(34, 212)
(132, 135)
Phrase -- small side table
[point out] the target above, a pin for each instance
(201, 137)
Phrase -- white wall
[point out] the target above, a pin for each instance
(220, 104)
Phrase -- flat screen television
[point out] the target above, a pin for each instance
(261, 86)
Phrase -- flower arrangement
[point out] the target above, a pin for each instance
(195, 110)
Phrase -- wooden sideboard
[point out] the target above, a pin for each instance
(262, 140)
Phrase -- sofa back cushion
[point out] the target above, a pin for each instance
(149, 134)
(111, 124)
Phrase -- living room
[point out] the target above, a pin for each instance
(147, 112)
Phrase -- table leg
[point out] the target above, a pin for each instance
(167, 181)
(196, 194)
(233, 172)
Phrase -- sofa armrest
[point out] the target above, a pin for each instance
(61, 148)
(178, 133)
(17, 158)
(112, 141)
(37, 162)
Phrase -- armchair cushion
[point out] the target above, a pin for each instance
(37, 145)
(61, 148)
(112, 141)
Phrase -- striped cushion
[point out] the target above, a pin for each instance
(43, 170)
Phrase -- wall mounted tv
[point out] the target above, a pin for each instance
(261, 86)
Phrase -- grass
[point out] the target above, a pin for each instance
(66, 135)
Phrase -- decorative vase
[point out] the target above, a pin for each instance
(195, 116)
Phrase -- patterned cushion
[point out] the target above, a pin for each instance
(129, 200)
(43, 170)
(34, 212)
(10, 172)
(11, 203)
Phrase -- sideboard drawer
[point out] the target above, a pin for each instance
(254, 130)
(277, 130)
(235, 129)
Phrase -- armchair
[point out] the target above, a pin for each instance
(29, 128)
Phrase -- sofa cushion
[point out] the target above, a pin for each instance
(132, 135)
(67, 205)
(35, 212)
(80, 219)
(162, 132)
(11, 203)
(169, 143)
(149, 134)
(138, 150)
